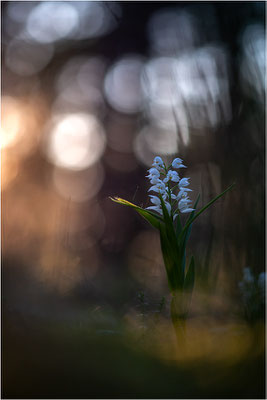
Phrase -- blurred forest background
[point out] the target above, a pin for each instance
(91, 93)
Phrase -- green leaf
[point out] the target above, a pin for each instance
(152, 218)
(169, 226)
(183, 239)
(190, 276)
(191, 216)
(179, 226)
(172, 257)
(166, 215)
(168, 258)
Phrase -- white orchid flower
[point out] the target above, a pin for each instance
(183, 183)
(155, 208)
(187, 210)
(183, 205)
(157, 205)
(159, 187)
(158, 163)
(154, 180)
(153, 175)
(155, 200)
(172, 176)
(183, 193)
(178, 163)
(153, 172)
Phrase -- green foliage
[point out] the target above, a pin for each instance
(152, 218)
(173, 238)
(190, 276)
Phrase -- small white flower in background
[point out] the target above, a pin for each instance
(261, 282)
(178, 163)
(252, 289)
(247, 275)
(246, 286)
(171, 176)
(158, 163)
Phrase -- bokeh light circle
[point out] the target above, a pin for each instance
(75, 141)
(26, 58)
(51, 21)
(122, 85)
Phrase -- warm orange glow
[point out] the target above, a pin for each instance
(11, 122)
(20, 127)
(79, 186)
(9, 170)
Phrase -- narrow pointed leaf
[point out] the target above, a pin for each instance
(191, 216)
(183, 260)
(153, 218)
(186, 233)
(190, 276)
(166, 253)
(172, 257)
(179, 227)
(205, 207)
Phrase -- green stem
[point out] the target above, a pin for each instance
(178, 320)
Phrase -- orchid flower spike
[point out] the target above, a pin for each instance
(161, 179)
